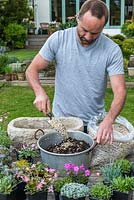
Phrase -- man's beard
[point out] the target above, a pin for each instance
(84, 41)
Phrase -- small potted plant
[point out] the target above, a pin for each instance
(38, 178)
(100, 192)
(122, 188)
(8, 73)
(74, 191)
(27, 152)
(109, 172)
(58, 184)
(8, 184)
(78, 174)
(125, 166)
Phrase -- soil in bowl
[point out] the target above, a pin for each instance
(68, 146)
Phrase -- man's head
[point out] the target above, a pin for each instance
(92, 17)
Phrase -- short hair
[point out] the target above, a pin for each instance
(97, 8)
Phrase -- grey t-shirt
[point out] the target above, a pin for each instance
(81, 72)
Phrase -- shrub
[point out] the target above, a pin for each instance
(15, 35)
(119, 37)
(3, 62)
(128, 29)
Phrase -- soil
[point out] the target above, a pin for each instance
(69, 146)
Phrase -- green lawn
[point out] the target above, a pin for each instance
(18, 101)
(22, 54)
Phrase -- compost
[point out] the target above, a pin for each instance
(68, 146)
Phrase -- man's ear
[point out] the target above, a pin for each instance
(77, 17)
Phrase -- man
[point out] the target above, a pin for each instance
(84, 57)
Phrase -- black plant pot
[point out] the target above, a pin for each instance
(20, 193)
(105, 182)
(66, 198)
(92, 198)
(10, 196)
(57, 195)
(37, 196)
(122, 196)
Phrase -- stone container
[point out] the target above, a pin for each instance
(22, 129)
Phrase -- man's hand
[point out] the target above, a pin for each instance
(42, 103)
(105, 132)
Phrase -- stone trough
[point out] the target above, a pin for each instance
(22, 129)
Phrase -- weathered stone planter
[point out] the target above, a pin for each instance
(23, 129)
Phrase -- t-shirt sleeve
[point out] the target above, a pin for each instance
(50, 47)
(115, 63)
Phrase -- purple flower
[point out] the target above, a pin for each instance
(76, 169)
(50, 188)
(87, 172)
(82, 167)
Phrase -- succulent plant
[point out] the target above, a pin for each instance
(110, 171)
(74, 190)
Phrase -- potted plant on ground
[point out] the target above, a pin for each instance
(39, 180)
(58, 184)
(125, 166)
(27, 152)
(8, 184)
(122, 188)
(78, 174)
(109, 172)
(8, 73)
(100, 192)
(74, 191)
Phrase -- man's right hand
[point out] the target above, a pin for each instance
(42, 103)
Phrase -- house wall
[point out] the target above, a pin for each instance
(112, 31)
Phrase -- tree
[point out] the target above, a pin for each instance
(13, 11)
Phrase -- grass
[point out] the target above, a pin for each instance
(22, 54)
(18, 101)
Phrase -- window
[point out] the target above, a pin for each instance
(115, 12)
(57, 10)
(70, 8)
(128, 10)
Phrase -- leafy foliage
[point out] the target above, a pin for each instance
(3, 62)
(123, 184)
(128, 29)
(100, 191)
(124, 165)
(110, 171)
(27, 151)
(15, 35)
(13, 11)
(58, 183)
(4, 138)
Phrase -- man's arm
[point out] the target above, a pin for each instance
(41, 101)
(105, 131)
